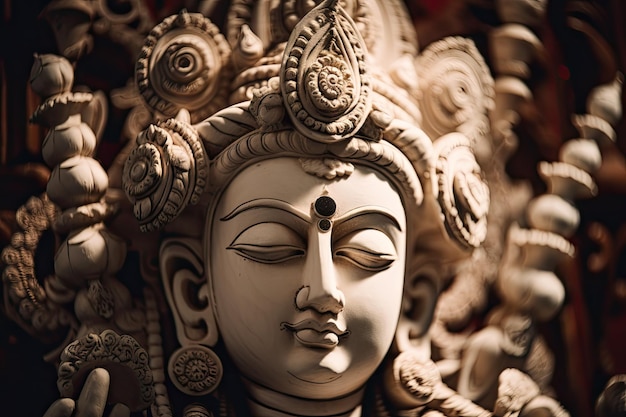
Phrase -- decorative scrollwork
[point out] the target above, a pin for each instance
(164, 173)
(463, 195)
(182, 65)
(26, 298)
(324, 76)
(122, 356)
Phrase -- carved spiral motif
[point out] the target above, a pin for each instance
(165, 172)
(195, 370)
(330, 85)
(334, 100)
(463, 195)
(182, 65)
(456, 89)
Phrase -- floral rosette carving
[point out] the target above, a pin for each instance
(324, 74)
(164, 173)
(121, 356)
(184, 64)
(195, 370)
(462, 192)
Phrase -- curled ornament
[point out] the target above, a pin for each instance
(462, 192)
(164, 173)
(183, 64)
(326, 86)
(456, 89)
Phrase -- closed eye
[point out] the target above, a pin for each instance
(369, 249)
(268, 243)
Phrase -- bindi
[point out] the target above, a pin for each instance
(324, 207)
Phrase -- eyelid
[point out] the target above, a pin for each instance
(268, 242)
(369, 249)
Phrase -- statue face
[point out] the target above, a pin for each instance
(307, 290)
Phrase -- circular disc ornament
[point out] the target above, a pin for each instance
(182, 65)
(195, 370)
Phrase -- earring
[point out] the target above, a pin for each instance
(195, 370)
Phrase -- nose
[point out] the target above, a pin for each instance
(320, 291)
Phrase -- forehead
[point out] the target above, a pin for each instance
(284, 179)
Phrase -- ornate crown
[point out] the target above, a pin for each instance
(323, 99)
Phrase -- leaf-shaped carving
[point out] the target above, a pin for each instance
(324, 76)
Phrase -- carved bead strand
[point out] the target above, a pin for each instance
(513, 47)
(90, 255)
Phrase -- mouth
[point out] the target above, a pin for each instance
(311, 333)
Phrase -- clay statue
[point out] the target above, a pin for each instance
(300, 191)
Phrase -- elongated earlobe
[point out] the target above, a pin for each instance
(187, 291)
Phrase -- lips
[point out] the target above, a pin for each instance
(312, 333)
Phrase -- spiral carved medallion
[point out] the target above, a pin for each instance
(456, 89)
(164, 173)
(183, 64)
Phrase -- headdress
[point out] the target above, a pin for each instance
(322, 101)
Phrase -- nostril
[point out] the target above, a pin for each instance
(322, 302)
(302, 296)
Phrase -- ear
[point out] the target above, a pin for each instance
(187, 291)
(420, 299)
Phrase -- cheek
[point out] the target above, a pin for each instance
(251, 292)
(373, 306)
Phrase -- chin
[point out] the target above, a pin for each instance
(322, 374)
(314, 387)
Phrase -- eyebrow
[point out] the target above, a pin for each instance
(273, 203)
